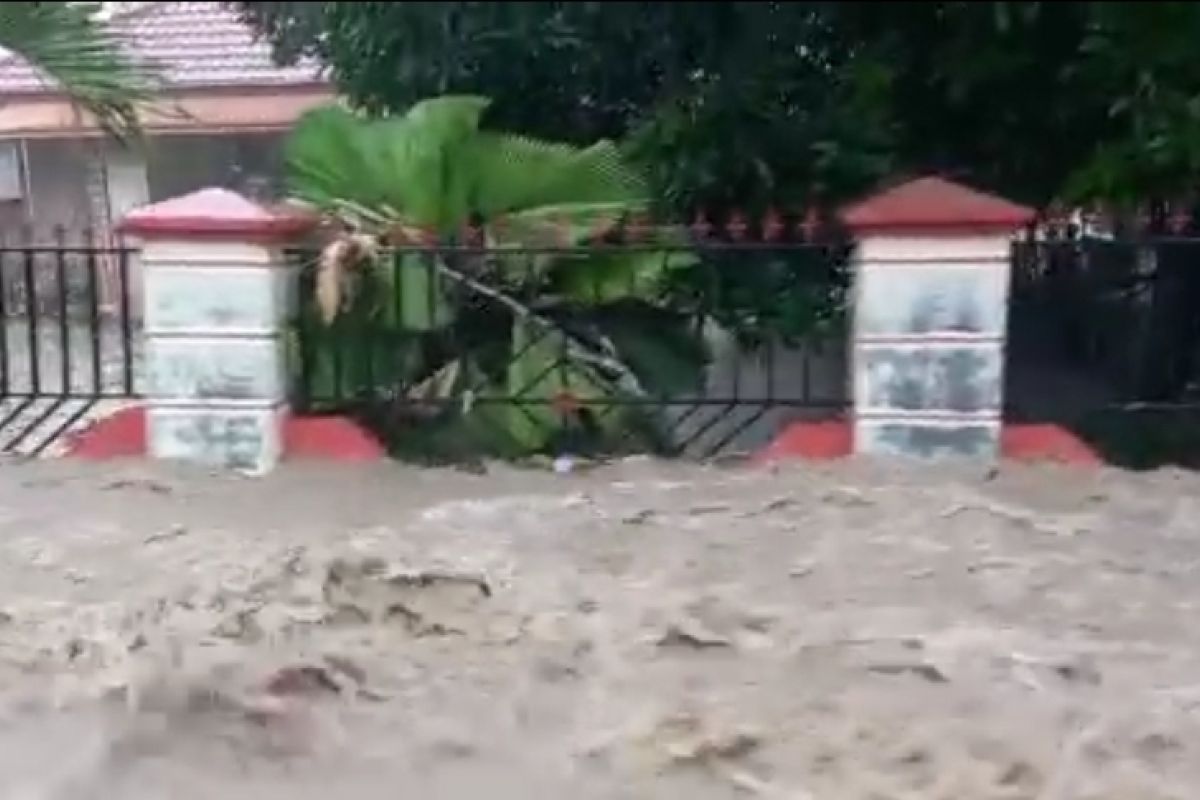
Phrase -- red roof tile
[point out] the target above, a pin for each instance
(196, 44)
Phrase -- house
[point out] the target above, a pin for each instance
(220, 123)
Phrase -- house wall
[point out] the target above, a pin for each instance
(58, 194)
(68, 188)
(181, 164)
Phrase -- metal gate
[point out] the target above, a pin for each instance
(68, 349)
(703, 348)
(1104, 338)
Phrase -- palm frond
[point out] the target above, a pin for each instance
(435, 168)
(516, 172)
(561, 225)
(67, 43)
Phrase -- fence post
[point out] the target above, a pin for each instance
(217, 293)
(931, 286)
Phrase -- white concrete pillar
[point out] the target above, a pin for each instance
(931, 287)
(218, 295)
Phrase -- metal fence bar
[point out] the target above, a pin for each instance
(49, 305)
(64, 324)
(126, 322)
(12, 444)
(4, 376)
(93, 287)
(31, 316)
(45, 299)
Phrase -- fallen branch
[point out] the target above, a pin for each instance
(576, 347)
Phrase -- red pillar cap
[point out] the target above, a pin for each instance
(215, 213)
(934, 205)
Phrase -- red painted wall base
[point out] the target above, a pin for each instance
(123, 435)
(832, 439)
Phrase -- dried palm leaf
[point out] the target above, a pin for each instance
(337, 260)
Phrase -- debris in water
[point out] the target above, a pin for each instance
(1060, 527)
(802, 570)
(715, 508)
(130, 483)
(174, 532)
(639, 517)
(346, 667)
(778, 504)
(427, 602)
(242, 626)
(678, 636)
(692, 741)
(305, 680)
(927, 671)
(847, 497)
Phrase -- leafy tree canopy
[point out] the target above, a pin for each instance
(756, 103)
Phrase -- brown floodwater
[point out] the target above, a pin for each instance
(642, 630)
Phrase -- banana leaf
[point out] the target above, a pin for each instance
(542, 369)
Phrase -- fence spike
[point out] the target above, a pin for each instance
(637, 228)
(772, 226)
(701, 227)
(562, 230)
(1143, 220)
(810, 223)
(737, 226)
(1179, 218)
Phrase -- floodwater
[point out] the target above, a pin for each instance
(643, 630)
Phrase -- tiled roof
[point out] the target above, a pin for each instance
(195, 44)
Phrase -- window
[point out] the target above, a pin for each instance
(10, 172)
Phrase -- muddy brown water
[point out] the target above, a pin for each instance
(644, 630)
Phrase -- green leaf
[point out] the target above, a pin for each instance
(542, 368)
(447, 120)
(563, 225)
(607, 277)
(514, 173)
(433, 168)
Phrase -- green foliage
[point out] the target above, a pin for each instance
(67, 43)
(433, 169)
(746, 106)
(468, 326)
(729, 102)
(758, 103)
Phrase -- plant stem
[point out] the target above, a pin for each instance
(577, 348)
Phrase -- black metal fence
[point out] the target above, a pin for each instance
(705, 346)
(702, 347)
(1104, 336)
(67, 338)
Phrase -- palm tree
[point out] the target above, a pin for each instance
(71, 46)
(485, 256)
